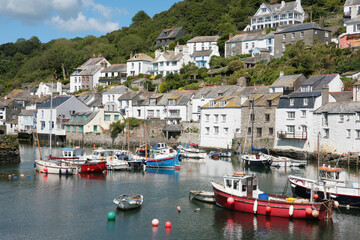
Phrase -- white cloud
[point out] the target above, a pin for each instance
(81, 23)
(69, 15)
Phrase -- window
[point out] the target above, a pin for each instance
(268, 103)
(158, 113)
(233, 45)
(348, 133)
(80, 129)
(315, 31)
(74, 129)
(291, 15)
(276, 17)
(78, 117)
(303, 128)
(267, 117)
(263, 10)
(302, 34)
(51, 125)
(303, 113)
(326, 34)
(139, 112)
(306, 101)
(271, 131)
(283, 45)
(172, 102)
(42, 125)
(223, 118)
(150, 113)
(216, 118)
(207, 117)
(253, 44)
(291, 115)
(249, 131)
(216, 130)
(237, 130)
(284, 35)
(258, 132)
(252, 117)
(207, 130)
(152, 101)
(246, 45)
(357, 134)
(107, 117)
(68, 128)
(290, 128)
(341, 117)
(85, 117)
(292, 35)
(292, 101)
(116, 117)
(95, 128)
(226, 130)
(326, 133)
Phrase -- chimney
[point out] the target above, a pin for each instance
(131, 54)
(281, 73)
(243, 82)
(282, 4)
(157, 53)
(231, 36)
(324, 95)
(356, 92)
(321, 22)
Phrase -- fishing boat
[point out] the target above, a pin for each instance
(119, 161)
(204, 196)
(332, 184)
(287, 162)
(191, 150)
(128, 201)
(240, 192)
(257, 160)
(170, 161)
(56, 167)
(218, 155)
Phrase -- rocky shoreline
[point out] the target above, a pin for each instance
(9, 150)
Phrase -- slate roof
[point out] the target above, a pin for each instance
(225, 102)
(302, 27)
(115, 68)
(348, 107)
(169, 56)
(182, 99)
(243, 37)
(25, 112)
(6, 102)
(21, 94)
(342, 96)
(128, 95)
(261, 99)
(56, 102)
(86, 70)
(354, 20)
(318, 81)
(286, 80)
(90, 116)
(169, 33)
(215, 91)
(247, 91)
(140, 57)
(93, 61)
(352, 2)
(117, 90)
(298, 97)
(141, 80)
(203, 39)
(201, 53)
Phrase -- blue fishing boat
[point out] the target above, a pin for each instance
(170, 161)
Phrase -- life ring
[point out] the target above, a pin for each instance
(102, 158)
(111, 158)
(300, 180)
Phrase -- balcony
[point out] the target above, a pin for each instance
(292, 135)
(347, 14)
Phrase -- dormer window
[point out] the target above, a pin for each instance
(292, 101)
(222, 104)
(212, 103)
(306, 101)
(172, 102)
(220, 94)
(152, 101)
(268, 103)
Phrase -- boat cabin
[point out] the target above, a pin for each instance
(332, 173)
(72, 152)
(242, 185)
(161, 148)
(102, 154)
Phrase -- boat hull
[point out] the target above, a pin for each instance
(204, 196)
(93, 167)
(167, 162)
(127, 202)
(299, 188)
(278, 209)
(55, 167)
(257, 163)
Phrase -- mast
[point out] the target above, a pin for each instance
(51, 106)
(318, 155)
(145, 141)
(252, 122)
(128, 133)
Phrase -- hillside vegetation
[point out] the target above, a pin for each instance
(30, 61)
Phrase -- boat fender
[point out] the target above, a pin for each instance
(291, 210)
(111, 158)
(300, 181)
(255, 206)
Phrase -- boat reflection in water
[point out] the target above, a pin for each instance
(239, 225)
(160, 171)
(93, 176)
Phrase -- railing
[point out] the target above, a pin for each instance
(291, 135)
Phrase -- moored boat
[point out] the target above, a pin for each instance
(56, 167)
(287, 162)
(240, 192)
(204, 196)
(128, 201)
(258, 160)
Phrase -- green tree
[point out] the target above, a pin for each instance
(139, 17)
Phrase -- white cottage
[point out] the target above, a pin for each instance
(110, 98)
(138, 64)
(202, 48)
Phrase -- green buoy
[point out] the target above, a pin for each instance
(111, 216)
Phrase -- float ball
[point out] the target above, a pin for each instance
(111, 216)
(268, 209)
(316, 196)
(168, 224)
(336, 204)
(178, 208)
(315, 213)
(155, 222)
(45, 169)
(308, 210)
(15, 177)
(230, 200)
(88, 169)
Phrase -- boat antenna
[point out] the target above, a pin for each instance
(318, 155)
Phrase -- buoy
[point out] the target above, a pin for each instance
(230, 200)
(316, 196)
(315, 213)
(178, 208)
(94, 146)
(155, 222)
(268, 209)
(28, 176)
(22, 175)
(45, 169)
(255, 206)
(308, 210)
(291, 210)
(347, 206)
(336, 204)
(196, 209)
(9, 176)
(168, 224)
(111, 215)
(15, 177)
(88, 169)
(40, 172)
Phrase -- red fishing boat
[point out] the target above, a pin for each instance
(240, 192)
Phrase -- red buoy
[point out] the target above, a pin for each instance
(268, 209)
(308, 210)
(230, 200)
(155, 222)
(45, 169)
(178, 208)
(88, 169)
(168, 224)
(316, 196)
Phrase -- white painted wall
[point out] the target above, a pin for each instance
(134, 68)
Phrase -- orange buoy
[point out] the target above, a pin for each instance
(308, 210)
(168, 224)
(268, 209)
(178, 208)
(155, 222)
(230, 200)
(316, 196)
(315, 213)
(40, 172)
(336, 204)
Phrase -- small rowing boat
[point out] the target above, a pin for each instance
(128, 201)
(204, 196)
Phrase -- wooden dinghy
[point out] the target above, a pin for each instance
(128, 201)
(204, 196)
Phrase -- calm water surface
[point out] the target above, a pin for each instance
(75, 207)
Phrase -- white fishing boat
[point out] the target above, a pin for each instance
(128, 201)
(287, 162)
(257, 160)
(120, 160)
(56, 167)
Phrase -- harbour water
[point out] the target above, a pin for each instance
(75, 207)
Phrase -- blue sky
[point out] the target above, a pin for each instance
(52, 19)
